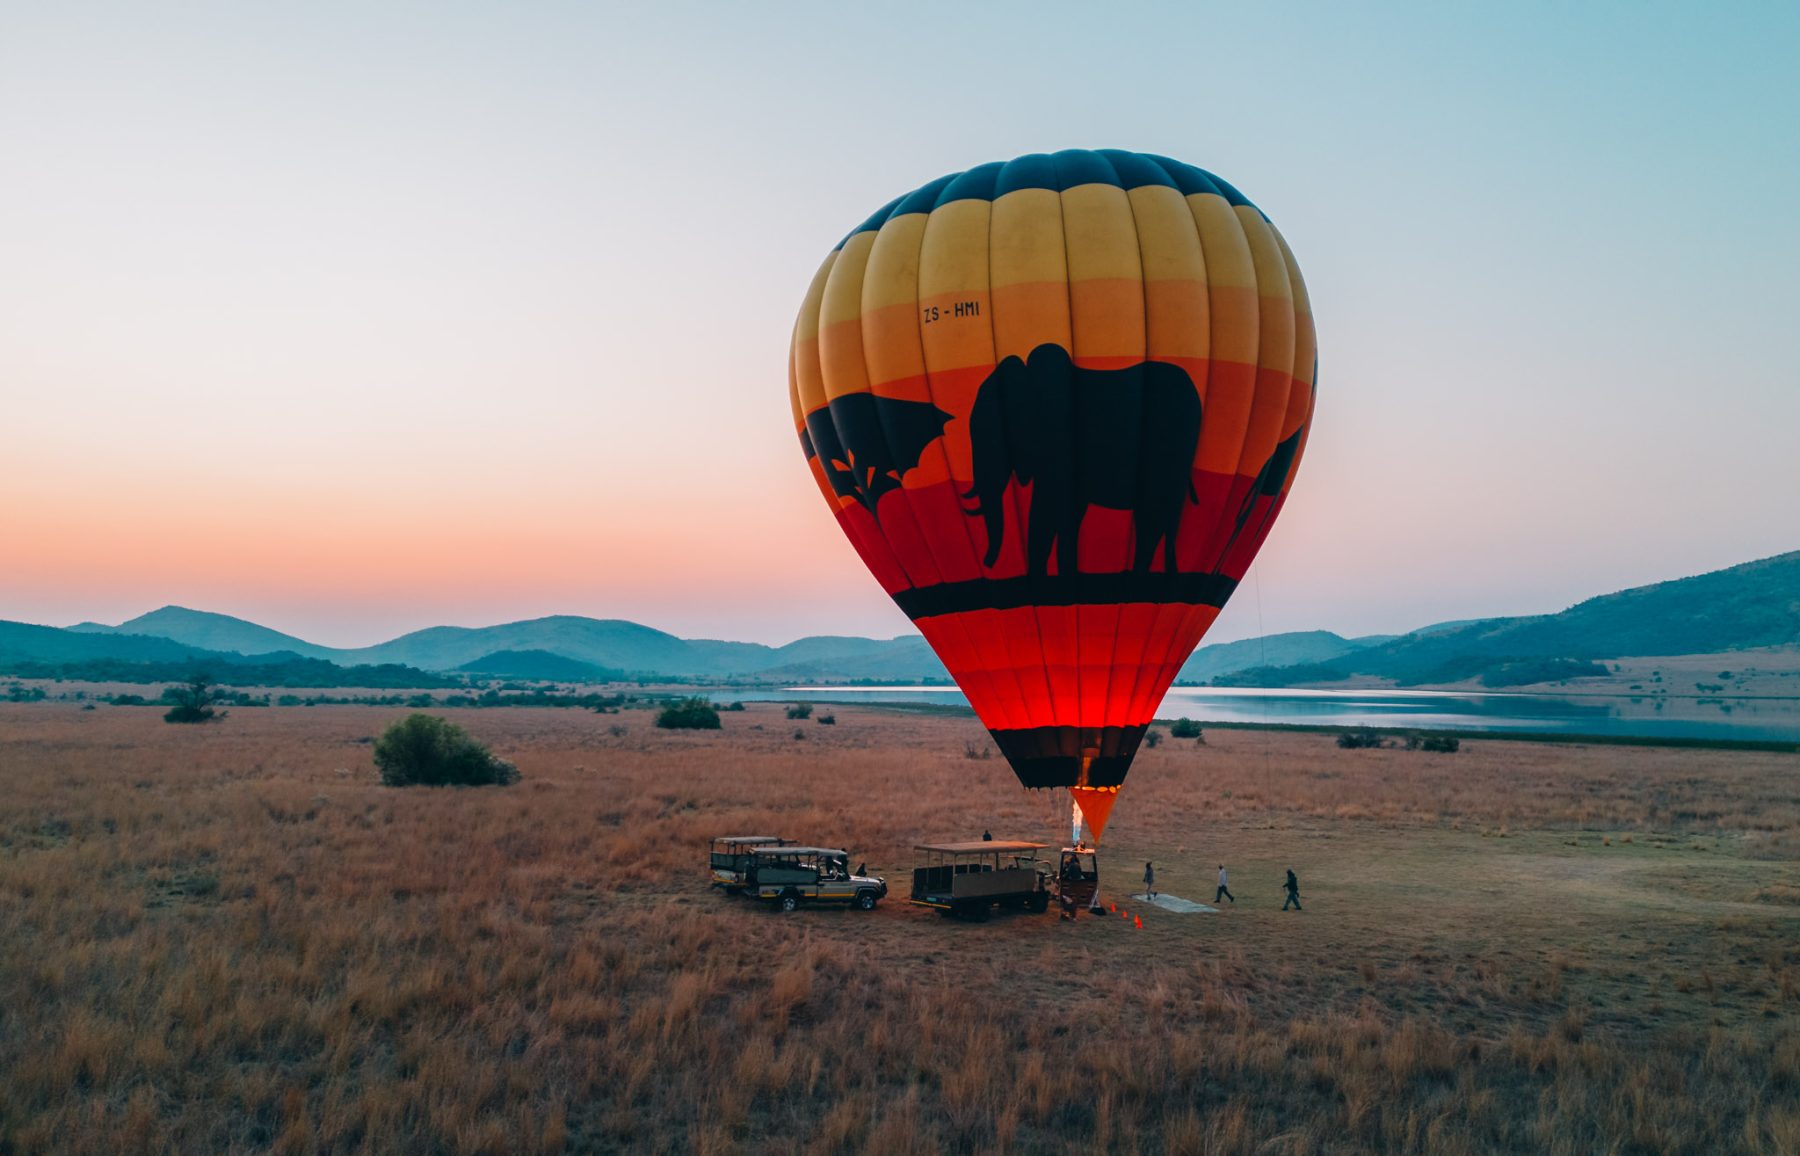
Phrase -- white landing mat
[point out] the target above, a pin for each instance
(1176, 904)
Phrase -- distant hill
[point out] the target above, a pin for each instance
(1300, 646)
(28, 651)
(563, 648)
(1753, 605)
(1756, 604)
(537, 666)
(205, 630)
(23, 642)
(618, 645)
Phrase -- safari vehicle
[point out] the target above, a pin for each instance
(731, 858)
(1077, 878)
(971, 879)
(790, 876)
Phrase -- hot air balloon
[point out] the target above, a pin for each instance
(1056, 404)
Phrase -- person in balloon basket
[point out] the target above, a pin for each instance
(1150, 882)
(1293, 891)
(1223, 892)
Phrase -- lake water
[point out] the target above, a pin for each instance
(1645, 716)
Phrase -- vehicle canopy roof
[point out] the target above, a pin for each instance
(799, 851)
(982, 847)
(741, 840)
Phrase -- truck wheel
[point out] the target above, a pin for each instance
(789, 901)
(1040, 902)
(865, 900)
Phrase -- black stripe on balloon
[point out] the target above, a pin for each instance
(1064, 590)
(1052, 756)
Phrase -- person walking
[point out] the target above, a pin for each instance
(1223, 892)
(1293, 891)
(1150, 883)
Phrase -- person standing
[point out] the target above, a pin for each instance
(1149, 882)
(1223, 892)
(987, 836)
(1293, 891)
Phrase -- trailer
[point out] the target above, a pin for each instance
(969, 879)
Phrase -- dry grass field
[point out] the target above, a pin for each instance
(230, 937)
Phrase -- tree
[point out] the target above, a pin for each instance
(696, 714)
(193, 701)
(425, 750)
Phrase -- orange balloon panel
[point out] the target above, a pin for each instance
(1056, 404)
(1096, 805)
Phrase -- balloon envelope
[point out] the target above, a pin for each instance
(1056, 404)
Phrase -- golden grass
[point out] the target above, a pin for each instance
(231, 937)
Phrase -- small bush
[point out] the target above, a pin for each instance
(827, 720)
(193, 701)
(799, 736)
(1442, 744)
(800, 710)
(1364, 739)
(733, 706)
(1152, 738)
(689, 714)
(1185, 728)
(425, 750)
(971, 751)
(618, 730)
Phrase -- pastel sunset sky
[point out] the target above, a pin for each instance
(352, 319)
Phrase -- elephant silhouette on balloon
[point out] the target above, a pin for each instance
(1123, 439)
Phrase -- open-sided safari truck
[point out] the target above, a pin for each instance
(731, 858)
(790, 876)
(970, 879)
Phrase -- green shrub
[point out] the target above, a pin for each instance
(800, 710)
(193, 701)
(1357, 740)
(689, 714)
(1152, 738)
(1442, 744)
(827, 720)
(425, 750)
(1185, 728)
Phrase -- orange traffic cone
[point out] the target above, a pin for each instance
(1139, 920)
